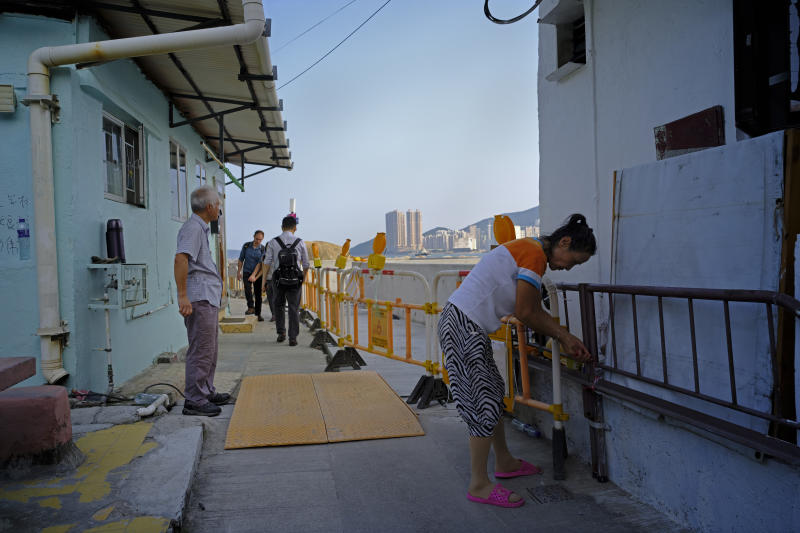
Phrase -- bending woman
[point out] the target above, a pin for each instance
(505, 281)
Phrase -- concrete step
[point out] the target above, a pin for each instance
(14, 370)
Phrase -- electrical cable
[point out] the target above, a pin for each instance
(284, 45)
(511, 20)
(337, 46)
(167, 384)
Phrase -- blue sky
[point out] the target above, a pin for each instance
(429, 106)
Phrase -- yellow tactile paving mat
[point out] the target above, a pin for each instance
(283, 409)
(276, 410)
(361, 405)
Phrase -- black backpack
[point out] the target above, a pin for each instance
(288, 274)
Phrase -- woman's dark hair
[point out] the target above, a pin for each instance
(581, 235)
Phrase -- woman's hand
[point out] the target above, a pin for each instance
(573, 347)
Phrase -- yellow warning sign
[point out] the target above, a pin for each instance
(334, 315)
(379, 336)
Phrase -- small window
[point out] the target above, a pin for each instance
(178, 183)
(199, 174)
(570, 22)
(123, 161)
(218, 227)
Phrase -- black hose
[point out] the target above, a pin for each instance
(511, 20)
(166, 384)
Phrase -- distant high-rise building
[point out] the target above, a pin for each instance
(395, 231)
(414, 229)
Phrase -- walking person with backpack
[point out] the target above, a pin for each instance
(287, 260)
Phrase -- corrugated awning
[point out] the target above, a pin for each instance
(225, 91)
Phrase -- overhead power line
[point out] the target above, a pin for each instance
(315, 63)
(284, 45)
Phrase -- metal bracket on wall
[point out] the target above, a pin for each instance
(50, 101)
(57, 334)
(244, 75)
(598, 425)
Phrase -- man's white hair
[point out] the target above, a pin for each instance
(202, 197)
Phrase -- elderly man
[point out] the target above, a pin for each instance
(199, 296)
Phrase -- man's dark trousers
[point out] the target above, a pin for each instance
(285, 295)
(248, 292)
(271, 297)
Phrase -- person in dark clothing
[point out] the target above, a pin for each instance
(248, 271)
(287, 277)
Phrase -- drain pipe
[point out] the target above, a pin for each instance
(44, 112)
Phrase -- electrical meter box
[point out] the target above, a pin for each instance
(117, 285)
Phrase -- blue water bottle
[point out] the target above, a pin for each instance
(23, 240)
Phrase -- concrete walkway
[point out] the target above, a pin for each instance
(172, 470)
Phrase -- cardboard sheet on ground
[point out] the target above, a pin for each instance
(285, 409)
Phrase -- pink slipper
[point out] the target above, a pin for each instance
(525, 469)
(498, 497)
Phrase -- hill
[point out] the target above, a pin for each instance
(527, 217)
(520, 218)
(432, 231)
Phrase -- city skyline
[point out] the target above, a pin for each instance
(403, 230)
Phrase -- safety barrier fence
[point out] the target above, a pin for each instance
(338, 299)
(235, 285)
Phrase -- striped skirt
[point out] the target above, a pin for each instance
(475, 382)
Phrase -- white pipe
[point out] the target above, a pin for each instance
(556, 353)
(162, 399)
(39, 64)
(110, 368)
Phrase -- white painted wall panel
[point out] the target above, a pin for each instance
(708, 220)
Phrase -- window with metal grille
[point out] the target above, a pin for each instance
(123, 161)
(569, 19)
(199, 174)
(579, 41)
(177, 180)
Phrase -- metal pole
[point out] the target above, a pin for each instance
(592, 401)
(108, 354)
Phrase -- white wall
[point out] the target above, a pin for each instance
(708, 219)
(650, 63)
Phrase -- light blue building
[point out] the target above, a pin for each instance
(130, 140)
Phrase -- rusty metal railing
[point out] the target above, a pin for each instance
(600, 377)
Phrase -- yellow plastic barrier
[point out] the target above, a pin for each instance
(380, 324)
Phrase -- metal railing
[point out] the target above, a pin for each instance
(602, 376)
